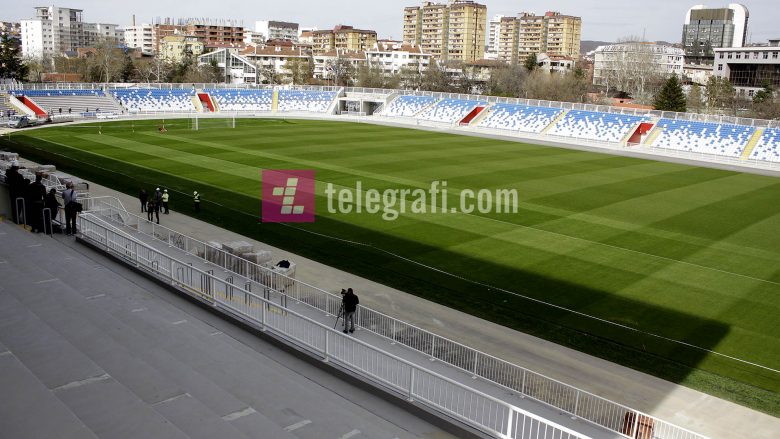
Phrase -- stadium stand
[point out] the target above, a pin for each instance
(242, 100)
(4, 106)
(450, 110)
(592, 125)
(174, 100)
(768, 147)
(78, 101)
(703, 137)
(303, 100)
(408, 106)
(519, 117)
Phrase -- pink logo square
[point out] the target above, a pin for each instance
(288, 196)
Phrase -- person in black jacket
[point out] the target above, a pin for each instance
(350, 302)
(143, 197)
(36, 196)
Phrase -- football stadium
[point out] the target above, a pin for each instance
(526, 268)
(662, 263)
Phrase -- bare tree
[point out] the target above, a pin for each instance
(108, 59)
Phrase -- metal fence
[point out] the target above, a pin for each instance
(576, 402)
(474, 408)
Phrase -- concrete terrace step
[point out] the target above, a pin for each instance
(103, 352)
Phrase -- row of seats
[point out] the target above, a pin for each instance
(58, 92)
(450, 110)
(768, 146)
(304, 100)
(703, 137)
(519, 117)
(408, 106)
(153, 100)
(242, 100)
(76, 104)
(591, 125)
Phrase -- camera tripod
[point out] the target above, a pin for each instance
(340, 315)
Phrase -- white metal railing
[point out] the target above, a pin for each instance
(576, 402)
(470, 406)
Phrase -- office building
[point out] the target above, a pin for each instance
(750, 68)
(706, 29)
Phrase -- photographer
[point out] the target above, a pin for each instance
(350, 302)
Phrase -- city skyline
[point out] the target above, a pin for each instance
(607, 20)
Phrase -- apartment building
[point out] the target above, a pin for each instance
(343, 38)
(55, 30)
(455, 31)
(552, 33)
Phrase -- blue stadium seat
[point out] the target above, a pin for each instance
(450, 110)
(305, 100)
(703, 137)
(768, 147)
(153, 99)
(408, 106)
(592, 125)
(242, 100)
(517, 117)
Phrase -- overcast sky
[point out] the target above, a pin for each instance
(604, 20)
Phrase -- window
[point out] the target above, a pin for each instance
(766, 55)
(739, 55)
(774, 55)
(720, 67)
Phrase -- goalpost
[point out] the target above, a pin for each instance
(197, 122)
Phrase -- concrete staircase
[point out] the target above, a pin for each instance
(482, 115)
(275, 101)
(654, 133)
(555, 121)
(752, 143)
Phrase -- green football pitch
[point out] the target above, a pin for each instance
(667, 268)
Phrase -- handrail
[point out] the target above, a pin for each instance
(572, 400)
(490, 415)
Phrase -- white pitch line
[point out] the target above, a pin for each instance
(350, 434)
(96, 296)
(179, 322)
(47, 281)
(297, 425)
(172, 398)
(239, 414)
(138, 310)
(34, 245)
(83, 382)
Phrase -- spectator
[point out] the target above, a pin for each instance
(165, 199)
(36, 195)
(144, 197)
(14, 181)
(52, 204)
(151, 210)
(350, 302)
(71, 208)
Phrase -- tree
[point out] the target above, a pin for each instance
(370, 76)
(531, 63)
(38, 66)
(720, 95)
(695, 102)
(763, 95)
(128, 69)
(671, 96)
(506, 80)
(566, 87)
(11, 65)
(410, 78)
(300, 70)
(435, 78)
(108, 59)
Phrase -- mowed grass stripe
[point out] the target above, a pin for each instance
(611, 236)
(645, 267)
